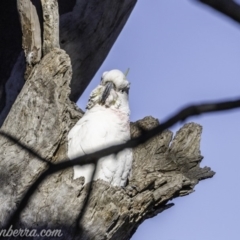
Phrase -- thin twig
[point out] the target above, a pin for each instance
(92, 157)
(228, 7)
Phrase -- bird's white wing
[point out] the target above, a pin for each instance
(113, 168)
(91, 133)
(124, 166)
(75, 149)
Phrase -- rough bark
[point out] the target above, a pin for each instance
(31, 34)
(87, 33)
(41, 117)
(50, 25)
(163, 168)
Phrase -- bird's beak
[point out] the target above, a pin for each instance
(109, 86)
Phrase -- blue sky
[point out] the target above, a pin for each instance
(181, 52)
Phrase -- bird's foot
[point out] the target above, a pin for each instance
(131, 190)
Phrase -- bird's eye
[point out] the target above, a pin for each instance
(124, 90)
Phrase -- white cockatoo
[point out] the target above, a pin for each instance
(105, 123)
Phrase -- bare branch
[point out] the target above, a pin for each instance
(93, 157)
(87, 33)
(50, 25)
(31, 32)
(227, 7)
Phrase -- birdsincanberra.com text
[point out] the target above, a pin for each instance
(25, 232)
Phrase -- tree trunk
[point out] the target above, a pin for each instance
(41, 117)
(88, 30)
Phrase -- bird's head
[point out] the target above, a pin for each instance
(112, 91)
(114, 81)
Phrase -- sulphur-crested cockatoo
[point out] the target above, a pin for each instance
(105, 123)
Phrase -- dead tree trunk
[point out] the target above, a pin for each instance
(42, 115)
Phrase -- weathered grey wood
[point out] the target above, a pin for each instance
(11, 38)
(163, 168)
(38, 118)
(42, 116)
(86, 34)
(31, 33)
(50, 25)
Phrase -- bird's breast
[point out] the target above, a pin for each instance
(113, 120)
